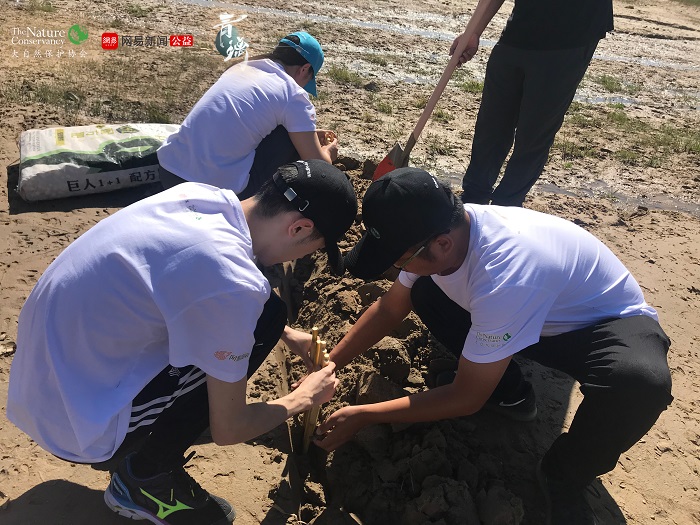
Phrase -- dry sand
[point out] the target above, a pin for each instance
(614, 170)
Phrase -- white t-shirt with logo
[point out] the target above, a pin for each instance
(529, 275)
(217, 140)
(168, 280)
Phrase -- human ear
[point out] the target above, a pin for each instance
(444, 243)
(300, 228)
(307, 71)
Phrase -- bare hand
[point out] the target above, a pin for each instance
(471, 43)
(326, 136)
(299, 343)
(339, 428)
(319, 386)
(329, 142)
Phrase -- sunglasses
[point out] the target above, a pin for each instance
(419, 250)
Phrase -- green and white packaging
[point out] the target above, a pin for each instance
(80, 160)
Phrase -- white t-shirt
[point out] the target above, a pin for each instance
(217, 140)
(168, 280)
(529, 275)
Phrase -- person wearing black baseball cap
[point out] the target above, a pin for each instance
(322, 193)
(144, 331)
(491, 282)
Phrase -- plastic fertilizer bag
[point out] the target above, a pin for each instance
(79, 160)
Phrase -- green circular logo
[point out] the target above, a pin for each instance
(77, 34)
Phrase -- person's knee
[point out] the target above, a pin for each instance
(647, 389)
(643, 374)
(655, 388)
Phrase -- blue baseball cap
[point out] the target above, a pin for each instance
(310, 49)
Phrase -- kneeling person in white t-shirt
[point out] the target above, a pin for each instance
(144, 331)
(491, 282)
(255, 118)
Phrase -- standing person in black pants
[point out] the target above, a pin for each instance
(531, 78)
(491, 282)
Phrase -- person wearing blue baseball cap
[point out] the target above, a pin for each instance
(254, 119)
(309, 48)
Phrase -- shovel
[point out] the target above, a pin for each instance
(398, 156)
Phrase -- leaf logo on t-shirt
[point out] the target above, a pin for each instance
(222, 355)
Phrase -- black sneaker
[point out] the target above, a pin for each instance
(522, 407)
(566, 504)
(172, 498)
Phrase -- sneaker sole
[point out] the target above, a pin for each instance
(129, 511)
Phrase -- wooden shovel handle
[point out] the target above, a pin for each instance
(432, 101)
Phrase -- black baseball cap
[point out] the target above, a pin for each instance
(324, 194)
(403, 208)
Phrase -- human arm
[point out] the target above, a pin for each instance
(309, 146)
(473, 385)
(299, 343)
(233, 420)
(469, 39)
(379, 319)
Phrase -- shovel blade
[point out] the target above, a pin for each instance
(394, 159)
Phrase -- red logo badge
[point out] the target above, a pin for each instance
(110, 40)
(222, 355)
(181, 40)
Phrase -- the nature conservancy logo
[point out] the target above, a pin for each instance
(492, 340)
(42, 36)
(77, 34)
(38, 36)
(48, 43)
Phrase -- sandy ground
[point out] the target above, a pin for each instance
(625, 166)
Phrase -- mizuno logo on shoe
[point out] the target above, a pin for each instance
(165, 510)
